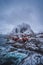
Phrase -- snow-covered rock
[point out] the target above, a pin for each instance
(34, 59)
(23, 28)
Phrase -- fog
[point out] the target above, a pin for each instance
(15, 12)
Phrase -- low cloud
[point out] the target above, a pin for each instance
(14, 14)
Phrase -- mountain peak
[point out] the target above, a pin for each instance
(22, 28)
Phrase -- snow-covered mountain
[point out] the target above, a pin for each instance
(22, 28)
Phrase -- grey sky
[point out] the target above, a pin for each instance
(14, 12)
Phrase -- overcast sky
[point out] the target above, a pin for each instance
(14, 12)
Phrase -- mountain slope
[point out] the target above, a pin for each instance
(23, 28)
